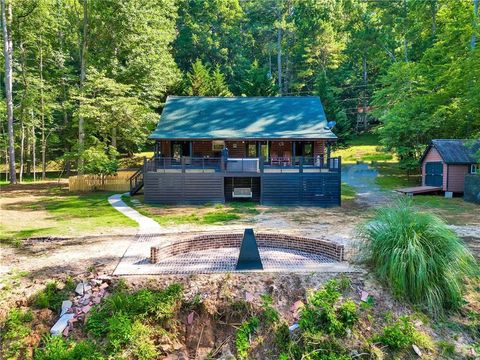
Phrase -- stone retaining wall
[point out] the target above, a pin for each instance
(215, 241)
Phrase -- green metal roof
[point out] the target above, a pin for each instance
(296, 117)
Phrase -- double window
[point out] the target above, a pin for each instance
(475, 169)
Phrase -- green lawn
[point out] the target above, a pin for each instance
(55, 211)
(390, 176)
(366, 148)
(348, 192)
(199, 214)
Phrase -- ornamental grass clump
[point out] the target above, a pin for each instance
(417, 256)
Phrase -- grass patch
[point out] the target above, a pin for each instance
(401, 335)
(363, 153)
(390, 177)
(200, 215)
(366, 138)
(418, 257)
(66, 214)
(348, 192)
(15, 330)
(365, 147)
(52, 296)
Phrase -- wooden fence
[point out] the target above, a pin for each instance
(84, 183)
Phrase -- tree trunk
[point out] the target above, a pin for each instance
(114, 137)
(365, 118)
(473, 41)
(83, 54)
(22, 151)
(34, 152)
(42, 114)
(7, 52)
(279, 59)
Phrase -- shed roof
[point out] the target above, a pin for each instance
(456, 151)
(296, 117)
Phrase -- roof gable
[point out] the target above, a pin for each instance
(299, 117)
(455, 151)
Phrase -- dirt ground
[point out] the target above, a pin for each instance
(24, 269)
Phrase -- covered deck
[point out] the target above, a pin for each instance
(248, 166)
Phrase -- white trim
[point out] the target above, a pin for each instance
(475, 169)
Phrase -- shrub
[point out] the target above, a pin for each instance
(14, 333)
(119, 328)
(418, 256)
(57, 348)
(117, 318)
(270, 314)
(242, 337)
(323, 314)
(52, 296)
(142, 346)
(399, 335)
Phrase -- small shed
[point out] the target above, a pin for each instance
(446, 162)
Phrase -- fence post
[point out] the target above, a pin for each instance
(300, 169)
(183, 163)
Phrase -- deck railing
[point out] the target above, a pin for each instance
(188, 164)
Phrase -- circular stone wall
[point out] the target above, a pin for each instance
(219, 252)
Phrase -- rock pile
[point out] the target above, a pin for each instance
(88, 294)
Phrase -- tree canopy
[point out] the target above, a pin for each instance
(87, 72)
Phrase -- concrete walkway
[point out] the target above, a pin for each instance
(135, 260)
(145, 224)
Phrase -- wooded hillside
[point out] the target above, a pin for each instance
(89, 77)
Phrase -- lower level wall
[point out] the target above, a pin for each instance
(183, 188)
(299, 189)
(323, 190)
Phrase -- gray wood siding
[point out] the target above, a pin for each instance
(183, 188)
(321, 190)
(300, 189)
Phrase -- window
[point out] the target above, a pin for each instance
(252, 149)
(218, 145)
(474, 168)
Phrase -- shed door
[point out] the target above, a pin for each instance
(434, 173)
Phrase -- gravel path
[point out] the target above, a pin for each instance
(362, 178)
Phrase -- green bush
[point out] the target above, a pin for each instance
(116, 319)
(323, 314)
(142, 345)
(242, 337)
(270, 314)
(52, 296)
(418, 256)
(400, 335)
(14, 332)
(57, 348)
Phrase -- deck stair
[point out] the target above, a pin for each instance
(136, 181)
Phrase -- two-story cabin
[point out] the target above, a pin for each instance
(274, 150)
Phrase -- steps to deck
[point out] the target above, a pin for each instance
(136, 181)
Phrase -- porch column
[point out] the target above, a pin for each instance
(328, 152)
(190, 148)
